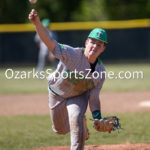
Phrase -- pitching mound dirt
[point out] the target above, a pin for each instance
(128, 146)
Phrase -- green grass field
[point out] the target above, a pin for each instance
(34, 85)
(25, 132)
(128, 84)
(30, 131)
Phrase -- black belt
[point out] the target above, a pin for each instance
(53, 91)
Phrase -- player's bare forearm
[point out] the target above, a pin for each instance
(42, 31)
(45, 37)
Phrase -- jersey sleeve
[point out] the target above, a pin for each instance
(65, 53)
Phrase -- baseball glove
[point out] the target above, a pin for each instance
(107, 124)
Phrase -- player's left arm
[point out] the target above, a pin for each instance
(106, 124)
(94, 101)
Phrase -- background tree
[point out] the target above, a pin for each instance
(58, 10)
(13, 11)
(16, 11)
(92, 10)
(127, 9)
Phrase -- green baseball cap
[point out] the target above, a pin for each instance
(98, 34)
(45, 22)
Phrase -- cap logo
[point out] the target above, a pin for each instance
(99, 34)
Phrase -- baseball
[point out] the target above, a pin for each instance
(32, 1)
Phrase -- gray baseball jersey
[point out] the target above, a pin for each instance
(71, 87)
(73, 77)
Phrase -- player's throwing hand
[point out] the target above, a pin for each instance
(33, 17)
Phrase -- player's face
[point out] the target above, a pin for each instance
(94, 47)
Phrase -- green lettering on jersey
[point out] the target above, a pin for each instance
(81, 83)
(62, 46)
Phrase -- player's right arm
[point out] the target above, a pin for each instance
(62, 52)
(42, 31)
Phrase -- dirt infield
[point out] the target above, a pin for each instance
(112, 102)
(127, 146)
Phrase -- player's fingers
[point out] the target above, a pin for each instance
(35, 14)
(30, 18)
(33, 11)
(30, 15)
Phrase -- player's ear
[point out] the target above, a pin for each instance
(86, 42)
(104, 47)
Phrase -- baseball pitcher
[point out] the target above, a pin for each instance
(77, 80)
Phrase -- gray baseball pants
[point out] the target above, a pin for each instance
(67, 116)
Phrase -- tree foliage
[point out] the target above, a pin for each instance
(91, 10)
(113, 10)
(58, 10)
(127, 9)
(13, 11)
(16, 11)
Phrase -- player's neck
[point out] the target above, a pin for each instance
(91, 60)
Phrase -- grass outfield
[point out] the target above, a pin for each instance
(25, 132)
(34, 85)
(128, 84)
